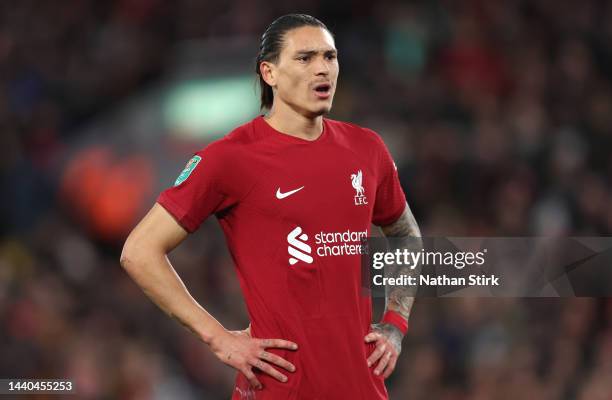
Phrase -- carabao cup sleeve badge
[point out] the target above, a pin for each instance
(191, 165)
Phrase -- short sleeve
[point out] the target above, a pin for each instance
(390, 199)
(199, 190)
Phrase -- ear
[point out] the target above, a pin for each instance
(268, 72)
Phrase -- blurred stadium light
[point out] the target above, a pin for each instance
(207, 108)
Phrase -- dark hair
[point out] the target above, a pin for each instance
(272, 43)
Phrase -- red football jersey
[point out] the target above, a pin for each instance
(293, 213)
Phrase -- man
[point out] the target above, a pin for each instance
(294, 193)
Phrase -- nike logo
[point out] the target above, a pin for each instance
(280, 195)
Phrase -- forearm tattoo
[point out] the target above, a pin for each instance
(400, 298)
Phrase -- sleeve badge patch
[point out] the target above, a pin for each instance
(191, 165)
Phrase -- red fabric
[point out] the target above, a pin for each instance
(317, 304)
(396, 319)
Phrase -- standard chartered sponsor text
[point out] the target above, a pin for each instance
(340, 243)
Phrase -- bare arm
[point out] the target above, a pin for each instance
(399, 299)
(144, 258)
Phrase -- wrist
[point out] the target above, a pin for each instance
(396, 319)
(213, 336)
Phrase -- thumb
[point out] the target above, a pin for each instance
(371, 337)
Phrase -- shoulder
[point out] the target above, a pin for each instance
(355, 135)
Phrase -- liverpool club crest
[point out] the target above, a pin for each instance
(357, 182)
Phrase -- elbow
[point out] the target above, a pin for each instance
(128, 255)
(137, 252)
(125, 259)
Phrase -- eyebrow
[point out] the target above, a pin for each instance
(313, 52)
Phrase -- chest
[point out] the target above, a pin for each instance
(303, 186)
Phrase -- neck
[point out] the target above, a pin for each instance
(288, 121)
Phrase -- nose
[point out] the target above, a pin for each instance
(321, 67)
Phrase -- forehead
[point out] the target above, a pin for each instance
(308, 38)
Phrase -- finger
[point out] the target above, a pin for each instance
(267, 368)
(278, 344)
(253, 381)
(372, 337)
(390, 367)
(277, 360)
(382, 363)
(376, 354)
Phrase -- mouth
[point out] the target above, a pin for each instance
(322, 90)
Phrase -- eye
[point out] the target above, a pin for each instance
(330, 56)
(303, 58)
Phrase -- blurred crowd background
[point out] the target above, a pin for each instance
(498, 113)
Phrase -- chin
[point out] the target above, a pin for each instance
(313, 110)
(321, 110)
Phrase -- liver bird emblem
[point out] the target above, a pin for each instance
(356, 181)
